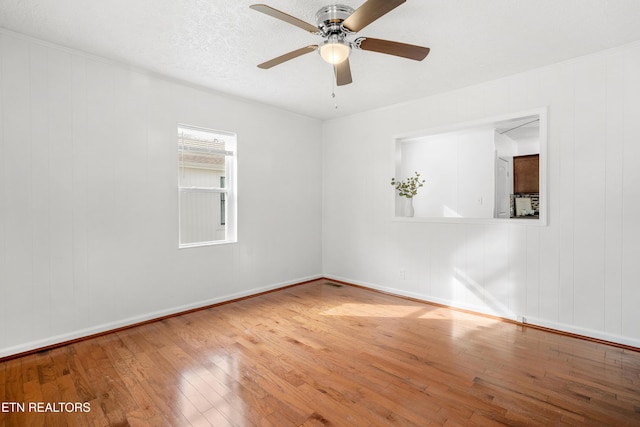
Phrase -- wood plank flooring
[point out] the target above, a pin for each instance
(324, 355)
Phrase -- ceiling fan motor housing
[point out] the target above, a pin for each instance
(330, 19)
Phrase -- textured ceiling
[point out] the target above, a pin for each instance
(218, 43)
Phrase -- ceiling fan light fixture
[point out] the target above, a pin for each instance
(334, 51)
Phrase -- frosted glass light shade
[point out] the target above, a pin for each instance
(334, 51)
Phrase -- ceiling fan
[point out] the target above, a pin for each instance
(335, 24)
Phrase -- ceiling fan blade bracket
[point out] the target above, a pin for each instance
(357, 42)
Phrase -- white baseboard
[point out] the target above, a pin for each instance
(585, 332)
(111, 326)
(557, 326)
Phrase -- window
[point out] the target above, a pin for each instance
(206, 186)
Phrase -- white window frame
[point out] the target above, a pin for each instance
(229, 190)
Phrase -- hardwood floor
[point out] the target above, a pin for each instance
(324, 355)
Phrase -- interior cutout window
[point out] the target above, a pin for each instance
(206, 186)
(491, 169)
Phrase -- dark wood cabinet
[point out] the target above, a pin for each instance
(526, 174)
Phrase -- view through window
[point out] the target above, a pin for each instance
(206, 186)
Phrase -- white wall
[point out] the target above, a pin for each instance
(580, 273)
(458, 169)
(88, 197)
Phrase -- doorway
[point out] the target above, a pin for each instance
(503, 179)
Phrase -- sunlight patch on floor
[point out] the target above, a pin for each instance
(373, 310)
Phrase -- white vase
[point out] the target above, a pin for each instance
(408, 206)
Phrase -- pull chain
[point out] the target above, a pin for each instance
(333, 91)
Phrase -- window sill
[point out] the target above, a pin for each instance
(198, 245)
(536, 222)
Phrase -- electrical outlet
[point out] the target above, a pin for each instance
(401, 274)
